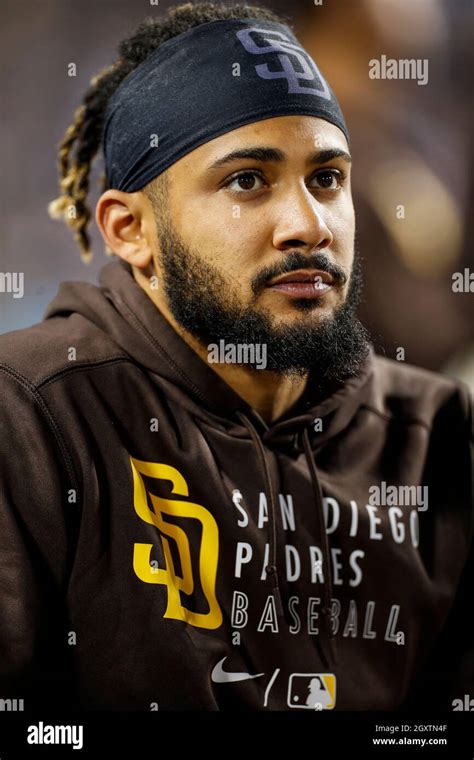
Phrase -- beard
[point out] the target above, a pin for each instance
(203, 302)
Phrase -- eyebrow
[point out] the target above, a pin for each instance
(265, 153)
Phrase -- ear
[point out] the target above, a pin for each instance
(119, 217)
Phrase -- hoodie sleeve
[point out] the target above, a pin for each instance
(448, 674)
(460, 646)
(38, 523)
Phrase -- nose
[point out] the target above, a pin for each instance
(301, 222)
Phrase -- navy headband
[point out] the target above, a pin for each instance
(208, 80)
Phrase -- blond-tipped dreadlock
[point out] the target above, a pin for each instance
(83, 137)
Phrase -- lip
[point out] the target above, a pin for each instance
(308, 283)
(303, 275)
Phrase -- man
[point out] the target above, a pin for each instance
(214, 493)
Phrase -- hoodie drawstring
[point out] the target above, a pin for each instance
(272, 568)
(327, 587)
(329, 657)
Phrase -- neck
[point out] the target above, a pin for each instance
(269, 393)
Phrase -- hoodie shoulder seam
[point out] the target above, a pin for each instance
(80, 367)
(388, 417)
(50, 419)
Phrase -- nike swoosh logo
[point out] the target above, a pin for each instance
(219, 675)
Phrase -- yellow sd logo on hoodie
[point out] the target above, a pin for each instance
(208, 553)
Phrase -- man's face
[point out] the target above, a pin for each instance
(235, 225)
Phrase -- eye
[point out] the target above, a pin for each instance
(330, 179)
(245, 182)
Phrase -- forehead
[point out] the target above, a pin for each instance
(297, 136)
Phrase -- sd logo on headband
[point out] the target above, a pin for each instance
(309, 71)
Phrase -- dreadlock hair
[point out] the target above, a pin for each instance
(83, 137)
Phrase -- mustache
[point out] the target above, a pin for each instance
(295, 261)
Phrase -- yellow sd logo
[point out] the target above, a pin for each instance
(208, 553)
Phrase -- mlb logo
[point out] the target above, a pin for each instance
(312, 691)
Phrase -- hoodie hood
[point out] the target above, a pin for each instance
(121, 308)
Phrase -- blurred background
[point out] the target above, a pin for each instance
(412, 144)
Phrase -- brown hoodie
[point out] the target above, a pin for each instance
(163, 547)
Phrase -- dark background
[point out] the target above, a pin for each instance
(411, 144)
